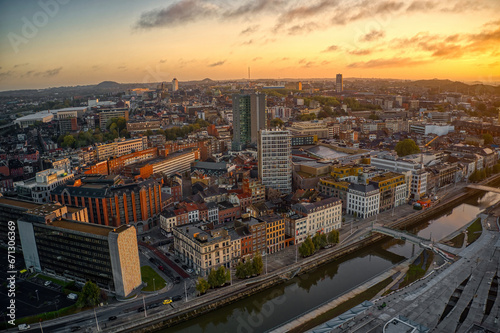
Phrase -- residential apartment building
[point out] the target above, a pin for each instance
(363, 200)
(275, 159)
(134, 127)
(393, 190)
(177, 162)
(202, 249)
(120, 147)
(116, 165)
(80, 251)
(321, 217)
(249, 116)
(257, 229)
(105, 116)
(275, 232)
(255, 188)
(38, 189)
(296, 227)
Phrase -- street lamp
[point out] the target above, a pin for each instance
(37, 299)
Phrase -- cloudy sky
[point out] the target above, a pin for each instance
(47, 43)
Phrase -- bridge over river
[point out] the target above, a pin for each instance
(439, 248)
(484, 188)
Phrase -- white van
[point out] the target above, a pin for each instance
(23, 327)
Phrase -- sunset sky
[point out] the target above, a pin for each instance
(72, 42)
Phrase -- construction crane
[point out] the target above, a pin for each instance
(425, 149)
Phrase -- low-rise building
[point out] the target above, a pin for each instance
(321, 217)
(38, 189)
(202, 249)
(363, 200)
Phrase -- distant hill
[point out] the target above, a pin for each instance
(108, 85)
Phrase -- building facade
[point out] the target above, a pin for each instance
(275, 159)
(249, 116)
(82, 251)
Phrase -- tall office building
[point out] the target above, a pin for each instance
(175, 85)
(275, 159)
(249, 116)
(339, 86)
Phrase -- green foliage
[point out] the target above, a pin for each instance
(407, 147)
(479, 175)
(306, 117)
(322, 114)
(69, 141)
(250, 267)
(373, 116)
(202, 285)
(175, 132)
(90, 295)
(496, 168)
(276, 122)
(355, 105)
(307, 248)
(320, 241)
(333, 237)
(488, 138)
(218, 277)
(257, 264)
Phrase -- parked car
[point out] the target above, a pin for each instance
(189, 270)
(167, 301)
(184, 267)
(75, 328)
(177, 260)
(141, 309)
(24, 327)
(47, 283)
(72, 296)
(161, 268)
(177, 280)
(112, 318)
(176, 298)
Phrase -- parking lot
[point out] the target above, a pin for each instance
(32, 296)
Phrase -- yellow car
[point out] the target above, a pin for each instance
(167, 301)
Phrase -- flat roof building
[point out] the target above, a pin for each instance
(81, 251)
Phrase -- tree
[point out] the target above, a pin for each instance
(243, 270)
(202, 285)
(333, 237)
(322, 114)
(407, 147)
(221, 276)
(373, 116)
(69, 141)
(277, 122)
(319, 241)
(307, 247)
(212, 278)
(257, 264)
(90, 295)
(488, 138)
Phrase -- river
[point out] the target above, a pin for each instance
(272, 307)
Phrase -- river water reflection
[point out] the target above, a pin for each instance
(279, 304)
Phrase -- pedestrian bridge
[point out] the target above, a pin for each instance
(439, 248)
(484, 188)
(401, 235)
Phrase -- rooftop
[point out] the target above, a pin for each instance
(18, 203)
(88, 228)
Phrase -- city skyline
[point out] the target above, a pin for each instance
(59, 43)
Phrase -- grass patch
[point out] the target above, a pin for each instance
(417, 271)
(49, 315)
(54, 280)
(341, 308)
(148, 274)
(457, 241)
(474, 231)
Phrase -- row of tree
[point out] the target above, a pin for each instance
(318, 241)
(216, 278)
(249, 268)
